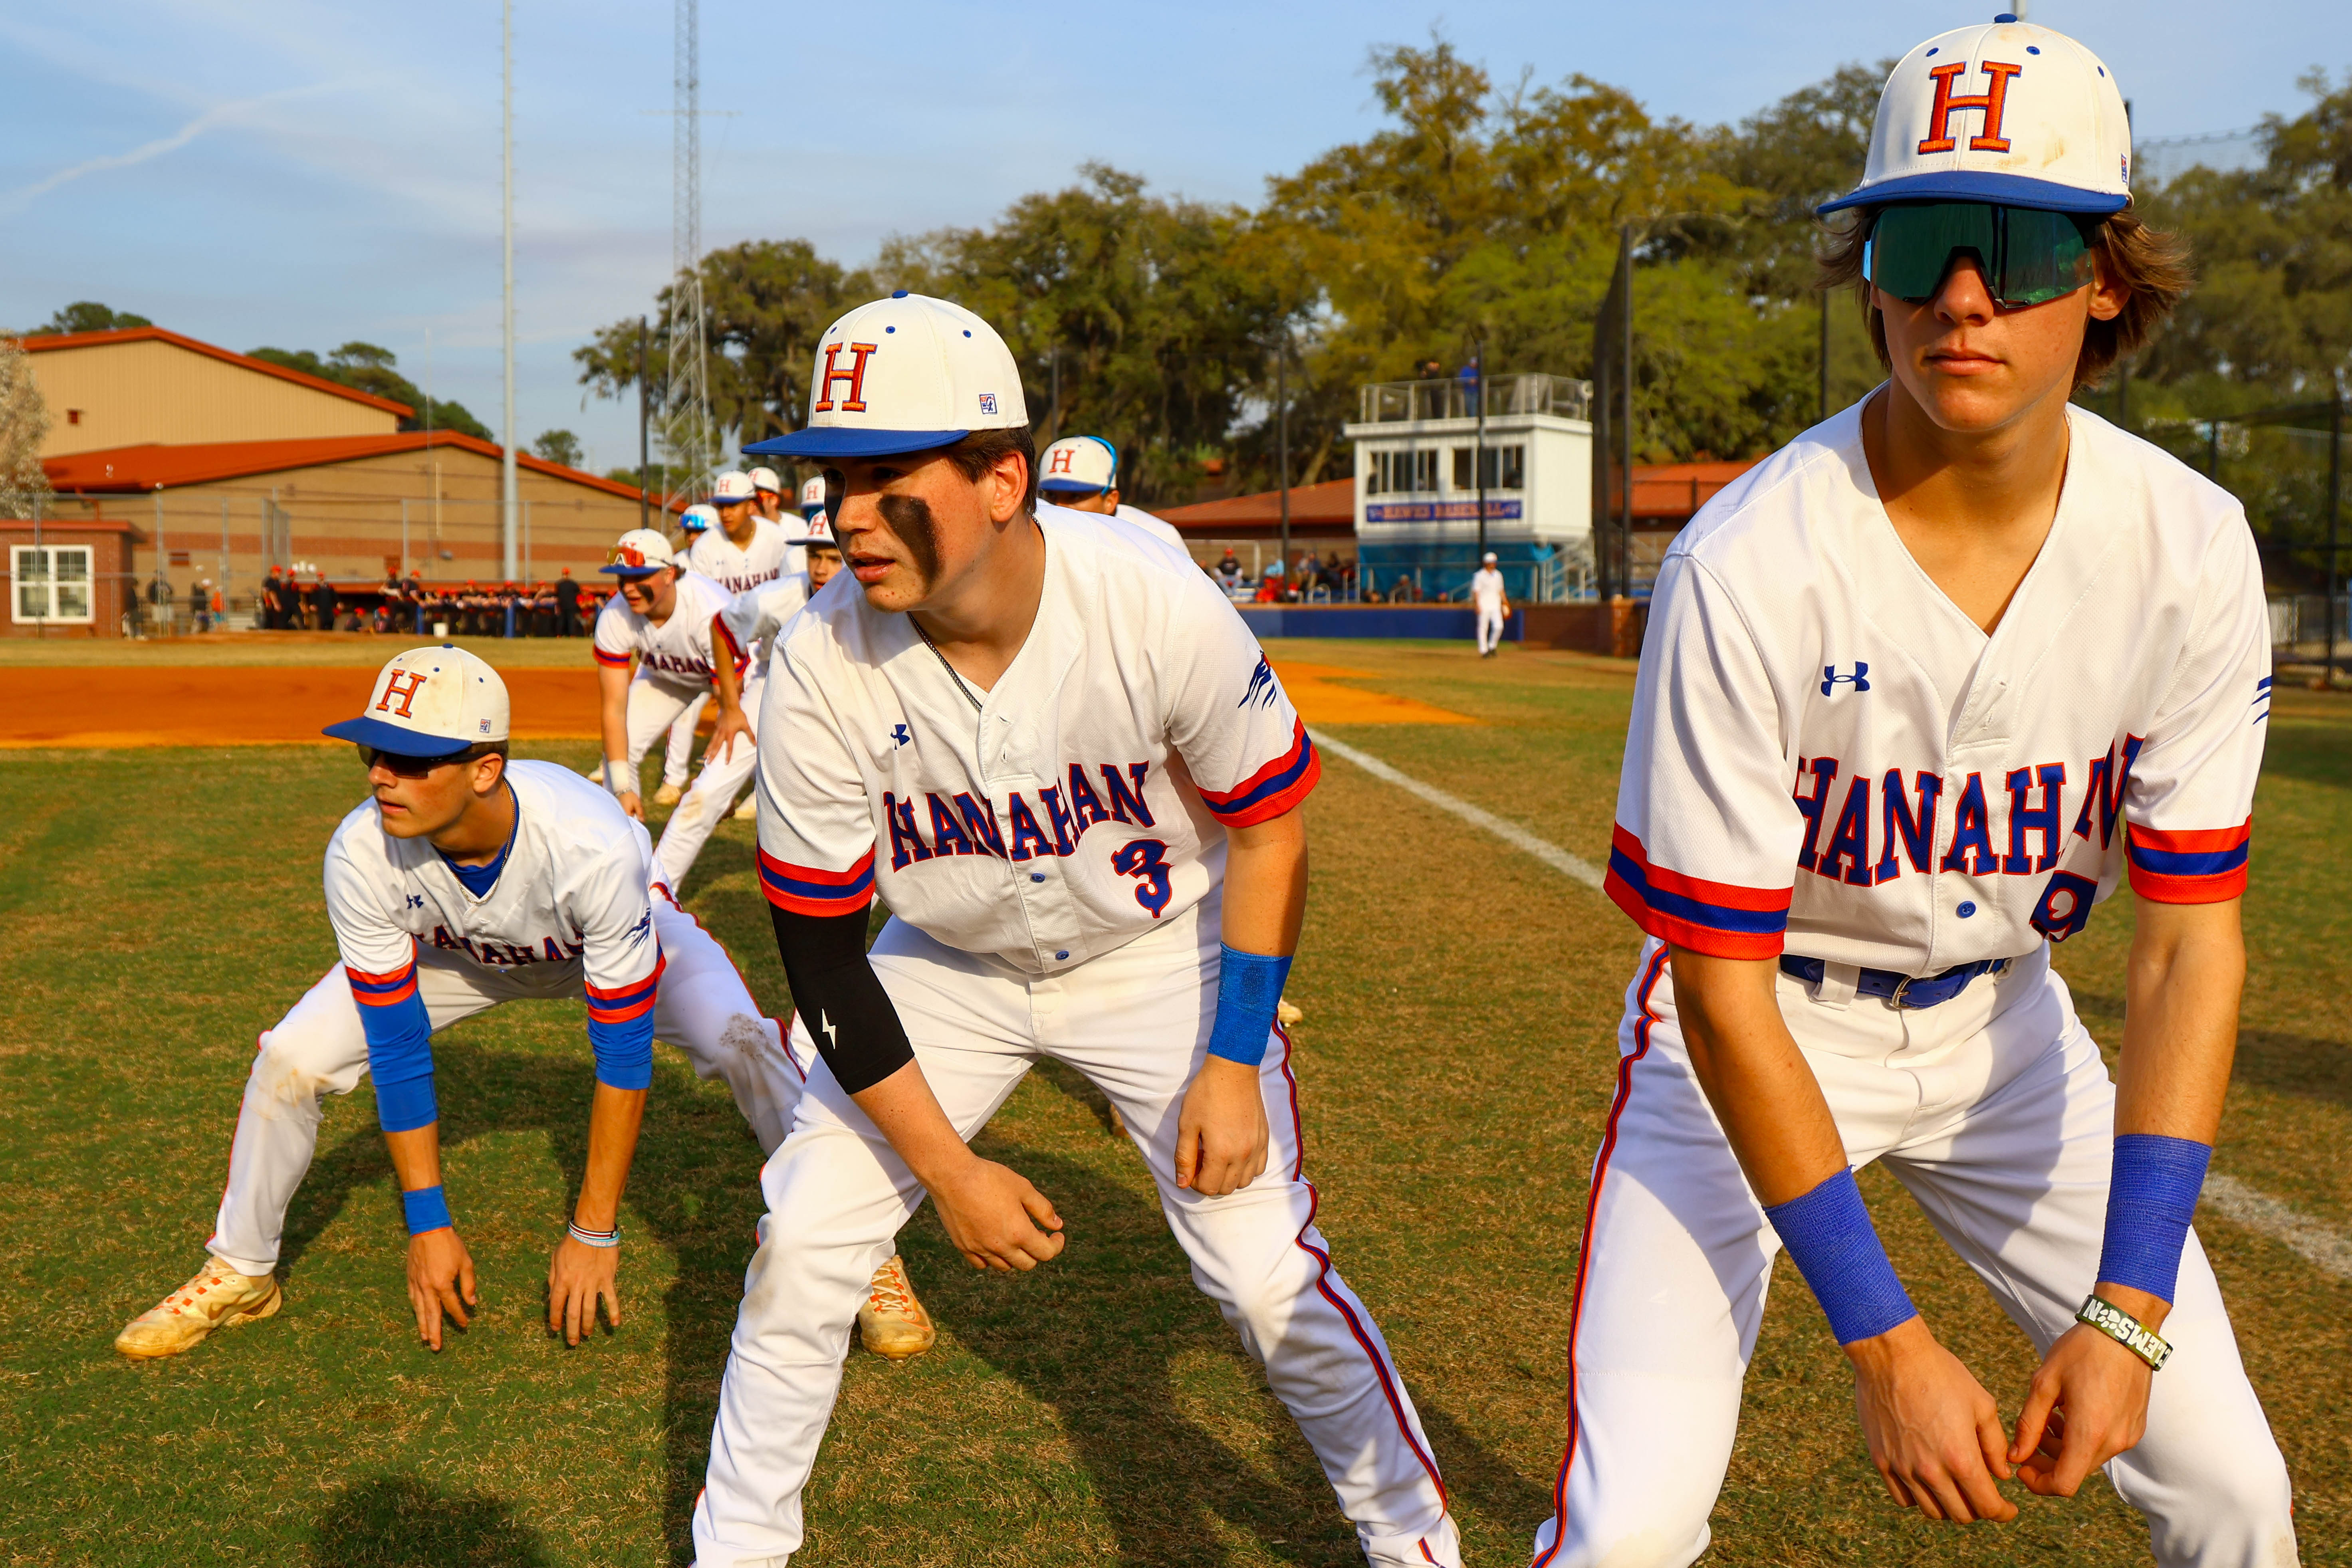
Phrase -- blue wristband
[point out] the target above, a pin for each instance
(1249, 985)
(1829, 1234)
(2151, 1198)
(429, 1209)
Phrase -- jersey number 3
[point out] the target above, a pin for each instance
(1147, 861)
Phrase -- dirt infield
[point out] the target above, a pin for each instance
(104, 708)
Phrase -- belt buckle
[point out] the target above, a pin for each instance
(1902, 990)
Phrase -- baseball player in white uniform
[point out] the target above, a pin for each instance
(767, 498)
(1052, 748)
(678, 758)
(1081, 472)
(1494, 609)
(745, 550)
(465, 881)
(657, 626)
(1918, 693)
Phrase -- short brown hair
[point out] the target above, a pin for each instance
(981, 450)
(2152, 266)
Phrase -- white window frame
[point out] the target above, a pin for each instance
(35, 584)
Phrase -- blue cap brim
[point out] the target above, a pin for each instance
(391, 738)
(1064, 487)
(1975, 185)
(629, 571)
(849, 441)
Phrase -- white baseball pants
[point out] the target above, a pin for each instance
(712, 795)
(1490, 628)
(1136, 1022)
(680, 754)
(655, 704)
(1995, 1112)
(319, 1049)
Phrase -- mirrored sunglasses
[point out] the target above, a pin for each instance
(2027, 256)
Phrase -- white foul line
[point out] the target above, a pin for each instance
(1518, 837)
(2318, 1245)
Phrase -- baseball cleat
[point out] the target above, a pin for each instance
(668, 794)
(1287, 1015)
(217, 1298)
(891, 1322)
(750, 810)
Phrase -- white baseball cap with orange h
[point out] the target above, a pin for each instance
(904, 374)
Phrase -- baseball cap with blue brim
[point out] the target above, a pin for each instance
(904, 374)
(2004, 112)
(640, 552)
(430, 702)
(1079, 465)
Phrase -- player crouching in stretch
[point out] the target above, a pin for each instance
(2002, 655)
(1056, 752)
(467, 880)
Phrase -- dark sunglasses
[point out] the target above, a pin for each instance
(405, 767)
(2027, 256)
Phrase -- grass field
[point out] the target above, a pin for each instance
(159, 908)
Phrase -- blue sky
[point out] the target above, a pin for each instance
(301, 172)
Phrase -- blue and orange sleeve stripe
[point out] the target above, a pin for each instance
(806, 890)
(2200, 866)
(1274, 789)
(619, 1004)
(382, 990)
(618, 660)
(1718, 918)
(734, 648)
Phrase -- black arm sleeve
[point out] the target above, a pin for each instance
(856, 1029)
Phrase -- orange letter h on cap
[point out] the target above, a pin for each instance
(393, 691)
(855, 376)
(1992, 100)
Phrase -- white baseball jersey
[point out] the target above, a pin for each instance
(570, 894)
(739, 568)
(757, 616)
(1143, 519)
(1486, 588)
(679, 649)
(1825, 752)
(1083, 802)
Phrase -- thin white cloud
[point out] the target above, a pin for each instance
(18, 200)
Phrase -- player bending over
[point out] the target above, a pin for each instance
(467, 880)
(1916, 692)
(1054, 748)
(1081, 472)
(750, 622)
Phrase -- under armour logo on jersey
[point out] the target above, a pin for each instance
(899, 735)
(1831, 679)
(415, 900)
(854, 375)
(1262, 688)
(393, 691)
(1992, 101)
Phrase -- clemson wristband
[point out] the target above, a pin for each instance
(1249, 988)
(429, 1209)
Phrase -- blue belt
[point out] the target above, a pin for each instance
(1902, 990)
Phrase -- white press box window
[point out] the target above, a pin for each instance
(1401, 472)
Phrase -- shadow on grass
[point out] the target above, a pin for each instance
(2303, 1065)
(1136, 1363)
(395, 1521)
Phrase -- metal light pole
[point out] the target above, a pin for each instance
(1480, 455)
(1282, 442)
(509, 522)
(1824, 357)
(2335, 512)
(1625, 432)
(644, 452)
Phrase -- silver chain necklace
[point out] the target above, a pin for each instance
(968, 694)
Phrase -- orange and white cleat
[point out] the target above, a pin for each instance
(217, 1298)
(892, 1322)
(668, 794)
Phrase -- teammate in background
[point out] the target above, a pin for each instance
(747, 623)
(1917, 692)
(812, 498)
(1081, 472)
(677, 755)
(464, 881)
(745, 550)
(659, 622)
(768, 500)
(1494, 609)
(1062, 852)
